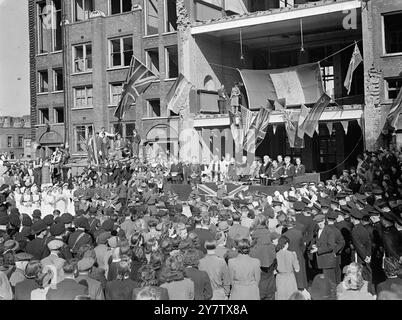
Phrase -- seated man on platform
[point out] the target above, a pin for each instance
(300, 169)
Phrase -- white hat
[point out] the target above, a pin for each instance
(55, 244)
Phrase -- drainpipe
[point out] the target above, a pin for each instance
(64, 24)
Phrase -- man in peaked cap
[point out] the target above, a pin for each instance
(391, 238)
(79, 237)
(339, 243)
(362, 244)
(84, 267)
(323, 246)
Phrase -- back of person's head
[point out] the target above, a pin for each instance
(210, 245)
(148, 293)
(392, 267)
(353, 279)
(33, 269)
(191, 258)
(148, 275)
(157, 259)
(70, 266)
(297, 295)
(123, 269)
(282, 242)
(243, 246)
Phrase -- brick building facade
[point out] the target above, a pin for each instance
(207, 40)
(15, 137)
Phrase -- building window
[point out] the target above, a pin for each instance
(9, 142)
(170, 16)
(82, 55)
(43, 81)
(56, 25)
(82, 9)
(153, 108)
(58, 115)
(58, 79)
(129, 131)
(327, 144)
(20, 141)
(120, 6)
(83, 97)
(120, 51)
(328, 79)
(393, 32)
(152, 60)
(82, 134)
(115, 93)
(151, 17)
(43, 24)
(43, 116)
(172, 62)
(393, 85)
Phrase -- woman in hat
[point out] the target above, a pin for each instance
(45, 280)
(353, 286)
(18, 198)
(26, 206)
(6, 293)
(245, 273)
(172, 275)
(288, 264)
(36, 198)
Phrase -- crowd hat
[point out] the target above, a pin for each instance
(332, 215)
(57, 229)
(66, 218)
(85, 264)
(23, 256)
(108, 225)
(81, 222)
(55, 244)
(38, 227)
(11, 245)
(103, 238)
(48, 220)
(36, 214)
(319, 218)
(355, 213)
(26, 220)
(223, 226)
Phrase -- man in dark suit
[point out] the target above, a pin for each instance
(297, 244)
(323, 245)
(345, 227)
(176, 171)
(37, 246)
(122, 288)
(362, 244)
(202, 283)
(392, 240)
(289, 171)
(79, 237)
(300, 169)
(339, 244)
(264, 170)
(68, 289)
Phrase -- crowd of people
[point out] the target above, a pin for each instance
(115, 232)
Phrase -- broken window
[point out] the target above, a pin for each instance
(172, 62)
(152, 60)
(393, 32)
(151, 17)
(121, 51)
(43, 81)
(170, 16)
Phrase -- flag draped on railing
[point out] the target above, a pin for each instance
(310, 123)
(139, 78)
(179, 94)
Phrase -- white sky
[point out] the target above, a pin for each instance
(14, 58)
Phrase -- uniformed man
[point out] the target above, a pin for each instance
(289, 171)
(339, 244)
(300, 169)
(362, 244)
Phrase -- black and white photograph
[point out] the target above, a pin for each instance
(217, 151)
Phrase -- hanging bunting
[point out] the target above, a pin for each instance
(330, 126)
(274, 128)
(345, 125)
